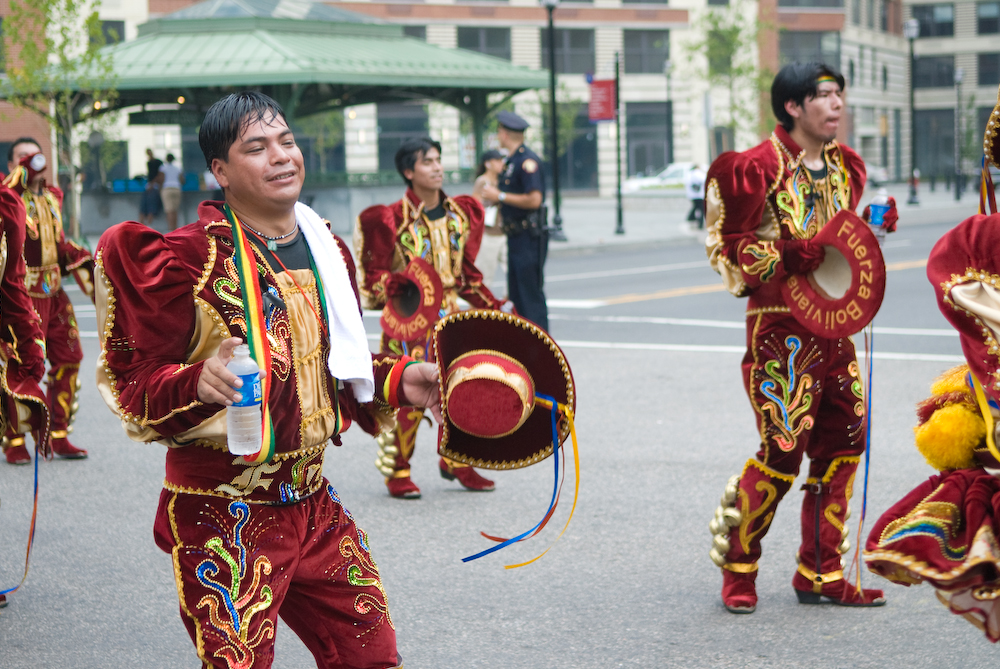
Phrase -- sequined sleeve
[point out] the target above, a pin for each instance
(146, 314)
(735, 197)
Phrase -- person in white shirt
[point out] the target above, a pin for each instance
(694, 188)
(170, 191)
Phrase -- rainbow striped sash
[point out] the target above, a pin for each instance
(260, 348)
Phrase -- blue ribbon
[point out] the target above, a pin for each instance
(555, 487)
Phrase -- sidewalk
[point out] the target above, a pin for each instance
(589, 222)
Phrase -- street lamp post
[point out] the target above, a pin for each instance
(911, 30)
(667, 68)
(556, 233)
(959, 75)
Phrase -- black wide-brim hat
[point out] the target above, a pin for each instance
(517, 347)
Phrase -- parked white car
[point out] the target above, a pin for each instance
(877, 175)
(672, 177)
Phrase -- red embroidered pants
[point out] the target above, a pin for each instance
(239, 566)
(808, 400)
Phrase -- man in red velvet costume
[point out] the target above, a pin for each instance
(260, 536)
(50, 256)
(763, 208)
(446, 232)
(22, 352)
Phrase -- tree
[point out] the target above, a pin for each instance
(568, 109)
(724, 53)
(56, 69)
(326, 131)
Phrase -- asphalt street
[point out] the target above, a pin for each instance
(655, 346)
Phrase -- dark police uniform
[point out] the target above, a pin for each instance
(527, 239)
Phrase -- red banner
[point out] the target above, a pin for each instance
(602, 101)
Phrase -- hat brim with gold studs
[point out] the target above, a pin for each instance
(991, 141)
(492, 367)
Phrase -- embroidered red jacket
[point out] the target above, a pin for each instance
(165, 303)
(389, 237)
(756, 198)
(47, 253)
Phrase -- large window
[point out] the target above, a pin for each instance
(419, 32)
(935, 20)
(578, 157)
(398, 122)
(988, 18)
(935, 149)
(574, 50)
(489, 41)
(934, 72)
(646, 51)
(810, 46)
(646, 124)
(989, 69)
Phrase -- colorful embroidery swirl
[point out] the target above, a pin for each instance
(233, 607)
(767, 258)
(928, 519)
(789, 409)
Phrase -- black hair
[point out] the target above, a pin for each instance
(21, 140)
(410, 151)
(170, 157)
(487, 156)
(798, 82)
(226, 120)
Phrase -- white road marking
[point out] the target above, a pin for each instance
(735, 325)
(699, 348)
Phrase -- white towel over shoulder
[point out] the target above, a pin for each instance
(350, 359)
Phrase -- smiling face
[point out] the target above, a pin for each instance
(264, 170)
(819, 117)
(427, 173)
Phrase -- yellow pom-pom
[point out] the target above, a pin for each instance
(952, 381)
(947, 440)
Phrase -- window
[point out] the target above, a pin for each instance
(885, 78)
(934, 72)
(850, 72)
(935, 150)
(935, 20)
(810, 46)
(646, 51)
(419, 32)
(810, 3)
(489, 41)
(988, 17)
(883, 19)
(574, 50)
(718, 2)
(870, 14)
(856, 12)
(113, 31)
(647, 137)
(398, 122)
(989, 69)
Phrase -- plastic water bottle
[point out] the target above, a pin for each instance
(877, 210)
(244, 421)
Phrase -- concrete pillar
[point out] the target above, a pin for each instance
(361, 138)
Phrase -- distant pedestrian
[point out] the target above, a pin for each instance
(694, 188)
(520, 194)
(170, 191)
(150, 205)
(493, 250)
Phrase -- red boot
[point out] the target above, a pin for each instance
(739, 595)
(15, 452)
(401, 486)
(740, 522)
(62, 447)
(466, 475)
(820, 575)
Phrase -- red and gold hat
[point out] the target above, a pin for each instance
(411, 314)
(843, 294)
(492, 366)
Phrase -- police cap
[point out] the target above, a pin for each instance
(512, 121)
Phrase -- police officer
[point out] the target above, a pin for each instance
(520, 194)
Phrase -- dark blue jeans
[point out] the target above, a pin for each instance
(526, 253)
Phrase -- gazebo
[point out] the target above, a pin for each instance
(311, 57)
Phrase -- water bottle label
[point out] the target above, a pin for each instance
(250, 391)
(877, 212)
